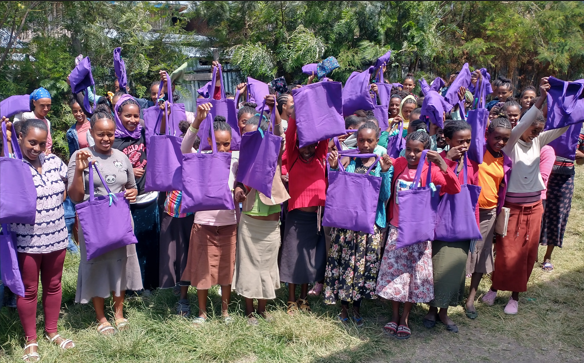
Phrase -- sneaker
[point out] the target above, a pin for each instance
(489, 298)
(512, 307)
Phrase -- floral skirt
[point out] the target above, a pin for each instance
(352, 266)
(405, 274)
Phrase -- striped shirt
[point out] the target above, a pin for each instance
(172, 204)
(49, 233)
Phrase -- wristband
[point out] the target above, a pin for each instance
(193, 130)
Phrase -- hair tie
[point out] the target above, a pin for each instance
(262, 116)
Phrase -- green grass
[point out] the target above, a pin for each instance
(549, 326)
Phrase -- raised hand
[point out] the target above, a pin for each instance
(455, 153)
(240, 196)
(434, 157)
(333, 159)
(82, 160)
(202, 112)
(385, 162)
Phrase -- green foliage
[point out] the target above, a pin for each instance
(254, 60)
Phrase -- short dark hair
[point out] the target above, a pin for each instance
(32, 123)
(353, 120)
(499, 122)
(255, 120)
(420, 136)
(99, 115)
(369, 125)
(247, 107)
(220, 124)
(454, 126)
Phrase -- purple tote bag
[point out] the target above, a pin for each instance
(222, 107)
(256, 91)
(477, 119)
(566, 145)
(14, 104)
(565, 104)
(258, 158)
(356, 93)
(120, 68)
(456, 219)
(437, 84)
(384, 93)
(462, 80)
(417, 209)
(106, 220)
(318, 112)
(433, 108)
(153, 115)
(164, 159)
(396, 143)
(18, 196)
(206, 178)
(424, 86)
(80, 79)
(10, 272)
(309, 69)
(351, 199)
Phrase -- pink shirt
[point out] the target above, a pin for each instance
(82, 134)
(546, 163)
(403, 182)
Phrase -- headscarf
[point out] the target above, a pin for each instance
(39, 93)
(406, 122)
(121, 131)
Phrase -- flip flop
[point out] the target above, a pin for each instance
(548, 267)
(390, 328)
(404, 330)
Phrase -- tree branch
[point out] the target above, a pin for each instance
(14, 36)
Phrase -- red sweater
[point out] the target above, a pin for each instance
(473, 176)
(447, 180)
(307, 180)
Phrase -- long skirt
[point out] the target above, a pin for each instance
(211, 256)
(560, 190)
(449, 267)
(175, 234)
(116, 271)
(147, 229)
(256, 273)
(405, 274)
(480, 260)
(517, 251)
(352, 266)
(302, 255)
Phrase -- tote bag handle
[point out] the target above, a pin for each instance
(210, 121)
(272, 124)
(464, 170)
(377, 157)
(214, 80)
(14, 139)
(419, 172)
(91, 184)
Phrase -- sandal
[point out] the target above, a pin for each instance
(390, 328)
(303, 305)
(198, 321)
(402, 329)
(228, 320)
(548, 267)
(358, 321)
(345, 321)
(34, 355)
(292, 307)
(183, 308)
(122, 324)
(253, 321)
(64, 342)
(471, 314)
(106, 329)
(316, 289)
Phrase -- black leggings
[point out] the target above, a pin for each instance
(356, 303)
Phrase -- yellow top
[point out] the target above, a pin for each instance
(491, 174)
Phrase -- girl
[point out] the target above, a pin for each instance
(285, 108)
(303, 256)
(130, 140)
(517, 251)
(512, 111)
(527, 95)
(408, 104)
(78, 136)
(118, 270)
(505, 90)
(405, 274)
(211, 255)
(353, 259)
(245, 113)
(256, 273)
(40, 104)
(41, 246)
(409, 84)
(493, 176)
(394, 106)
(496, 111)
(449, 258)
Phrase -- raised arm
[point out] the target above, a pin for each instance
(186, 145)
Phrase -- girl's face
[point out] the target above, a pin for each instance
(222, 140)
(504, 92)
(533, 131)
(493, 114)
(115, 100)
(103, 132)
(526, 99)
(307, 152)
(460, 138)
(513, 114)
(243, 120)
(130, 116)
(394, 107)
(78, 113)
(288, 107)
(413, 153)
(497, 139)
(367, 141)
(407, 110)
(154, 93)
(409, 85)
(33, 143)
(42, 107)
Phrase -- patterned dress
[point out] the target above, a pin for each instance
(353, 263)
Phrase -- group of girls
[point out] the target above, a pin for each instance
(281, 238)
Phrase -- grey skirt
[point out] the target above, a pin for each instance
(116, 271)
(303, 251)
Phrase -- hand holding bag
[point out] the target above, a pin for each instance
(417, 209)
(318, 112)
(106, 220)
(258, 158)
(18, 196)
(351, 199)
(456, 219)
(206, 178)
(10, 272)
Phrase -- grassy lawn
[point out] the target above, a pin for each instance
(549, 326)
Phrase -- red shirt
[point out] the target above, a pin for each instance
(307, 180)
(472, 177)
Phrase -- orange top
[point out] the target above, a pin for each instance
(491, 175)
